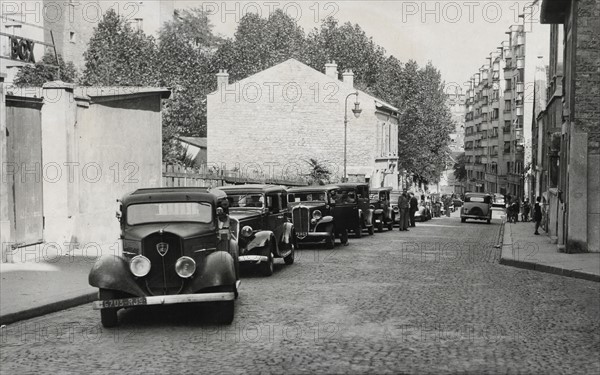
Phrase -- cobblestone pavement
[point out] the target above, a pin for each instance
(432, 300)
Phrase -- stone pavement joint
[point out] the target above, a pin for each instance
(522, 249)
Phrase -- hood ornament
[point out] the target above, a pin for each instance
(162, 248)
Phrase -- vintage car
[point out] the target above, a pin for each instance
(394, 196)
(423, 213)
(266, 233)
(316, 216)
(477, 206)
(177, 247)
(383, 214)
(357, 194)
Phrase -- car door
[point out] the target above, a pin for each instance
(345, 211)
(276, 214)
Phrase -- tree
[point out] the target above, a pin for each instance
(46, 71)
(319, 174)
(460, 171)
(118, 55)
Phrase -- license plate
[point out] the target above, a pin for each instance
(125, 302)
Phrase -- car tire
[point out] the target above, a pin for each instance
(225, 312)
(330, 241)
(344, 237)
(488, 221)
(358, 231)
(391, 225)
(463, 220)
(289, 260)
(380, 227)
(371, 230)
(108, 317)
(267, 268)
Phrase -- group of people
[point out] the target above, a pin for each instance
(408, 206)
(514, 207)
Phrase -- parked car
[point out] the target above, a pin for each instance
(477, 206)
(266, 232)
(357, 194)
(394, 196)
(316, 216)
(178, 247)
(423, 213)
(499, 200)
(383, 214)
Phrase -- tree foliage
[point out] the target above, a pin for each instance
(46, 70)
(119, 56)
(318, 174)
(460, 170)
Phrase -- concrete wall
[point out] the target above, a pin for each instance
(5, 230)
(279, 118)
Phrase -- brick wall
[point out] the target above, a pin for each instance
(279, 118)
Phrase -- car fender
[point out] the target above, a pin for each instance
(112, 272)
(216, 270)
(324, 224)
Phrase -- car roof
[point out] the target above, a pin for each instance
(252, 188)
(352, 184)
(474, 194)
(375, 190)
(169, 194)
(312, 188)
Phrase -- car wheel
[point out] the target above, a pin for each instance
(108, 317)
(330, 242)
(391, 225)
(371, 230)
(462, 220)
(380, 226)
(344, 237)
(358, 231)
(289, 260)
(488, 221)
(266, 268)
(225, 311)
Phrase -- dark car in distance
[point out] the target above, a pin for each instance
(383, 214)
(317, 217)
(176, 249)
(265, 231)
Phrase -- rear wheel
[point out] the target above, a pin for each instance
(380, 226)
(225, 311)
(266, 268)
(462, 220)
(358, 231)
(488, 221)
(330, 241)
(371, 230)
(291, 257)
(344, 237)
(108, 317)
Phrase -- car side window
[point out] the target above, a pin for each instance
(284, 200)
(273, 203)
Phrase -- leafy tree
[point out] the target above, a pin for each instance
(43, 71)
(460, 170)
(319, 174)
(118, 55)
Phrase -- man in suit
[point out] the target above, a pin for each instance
(414, 207)
(403, 206)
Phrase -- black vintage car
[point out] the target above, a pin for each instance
(383, 214)
(316, 216)
(357, 194)
(266, 233)
(177, 247)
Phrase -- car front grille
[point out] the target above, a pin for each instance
(301, 221)
(162, 278)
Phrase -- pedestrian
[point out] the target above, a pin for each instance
(537, 214)
(526, 209)
(414, 206)
(403, 206)
(447, 201)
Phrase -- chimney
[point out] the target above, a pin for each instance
(222, 78)
(331, 70)
(348, 78)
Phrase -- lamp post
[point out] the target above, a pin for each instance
(356, 110)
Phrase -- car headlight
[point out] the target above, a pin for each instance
(396, 209)
(185, 267)
(139, 265)
(317, 215)
(246, 231)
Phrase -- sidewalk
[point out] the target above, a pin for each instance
(43, 280)
(521, 248)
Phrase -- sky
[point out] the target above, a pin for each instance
(456, 36)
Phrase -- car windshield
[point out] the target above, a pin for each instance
(478, 198)
(196, 212)
(307, 197)
(346, 196)
(246, 200)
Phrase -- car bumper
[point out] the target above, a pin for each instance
(253, 258)
(163, 300)
(314, 237)
(474, 217)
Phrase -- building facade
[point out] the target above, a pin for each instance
(499, 105)
(572, 124)
(272, 123)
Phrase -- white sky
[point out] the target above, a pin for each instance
(456, 36)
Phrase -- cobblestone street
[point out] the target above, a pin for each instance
(431, 300)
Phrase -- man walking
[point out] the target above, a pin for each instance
(537, 214)
(414, 206)
(403, 206)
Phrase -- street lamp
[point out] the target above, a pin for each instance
(356, 110)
